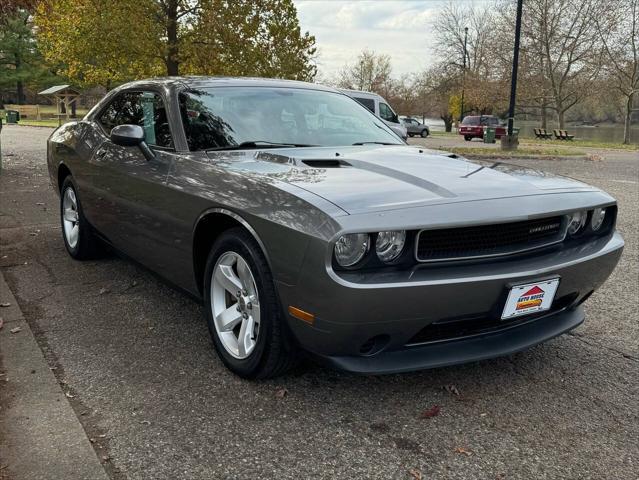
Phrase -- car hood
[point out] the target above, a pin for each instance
(377, 178)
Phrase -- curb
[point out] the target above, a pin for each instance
(40, 435)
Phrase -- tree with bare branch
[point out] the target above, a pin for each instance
(619, 33)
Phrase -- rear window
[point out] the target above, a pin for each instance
(470, 121)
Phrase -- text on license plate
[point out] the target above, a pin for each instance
(530, 298)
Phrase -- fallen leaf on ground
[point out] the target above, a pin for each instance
(40, 203)
(464, 451)
(103, 291)
(281, 392)
(1, 323)
(431, 412)
(5, 304)
(69, 395)
(15, 330)
(105, 458)
(415, 473)
(452, 389)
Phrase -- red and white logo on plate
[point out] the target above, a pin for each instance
(530, 298)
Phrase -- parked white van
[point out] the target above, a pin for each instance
(380, 107)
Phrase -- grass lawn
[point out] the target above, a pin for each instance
(39, 123)
(578, 143)
(520, 152)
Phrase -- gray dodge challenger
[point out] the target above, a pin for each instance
(303, 223)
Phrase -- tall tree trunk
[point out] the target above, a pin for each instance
(20, 92)
(627, 119)
(19, 84)
(562, 114)
(172, 62)
(544, 115)
(448, 122)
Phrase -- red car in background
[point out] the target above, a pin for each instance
(473, 126)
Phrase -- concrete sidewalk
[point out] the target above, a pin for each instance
(40, 435)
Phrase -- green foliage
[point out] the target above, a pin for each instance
(250, 38)
(21, 64)
(106, 42)
(94, 42)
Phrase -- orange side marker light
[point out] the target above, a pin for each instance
(302, 315)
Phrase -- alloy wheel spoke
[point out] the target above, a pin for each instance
(245, 276)
(70, 215)
(228, 279)
(73, 235)
(255, 312)
(228, 319)
(245, 340)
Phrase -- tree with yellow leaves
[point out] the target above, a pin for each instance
(105, 42)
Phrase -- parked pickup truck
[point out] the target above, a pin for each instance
(473, 126)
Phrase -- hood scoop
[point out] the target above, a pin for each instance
(325, 163)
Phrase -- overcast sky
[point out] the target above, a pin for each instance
(399, 28)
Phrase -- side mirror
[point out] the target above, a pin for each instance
(131, 136)
(127, 135)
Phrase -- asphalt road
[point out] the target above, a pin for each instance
(136, 357)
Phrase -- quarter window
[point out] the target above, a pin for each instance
(145, 109)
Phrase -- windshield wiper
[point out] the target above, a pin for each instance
(376, 143)
(258, 144)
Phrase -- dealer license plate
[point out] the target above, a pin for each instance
(530, 298)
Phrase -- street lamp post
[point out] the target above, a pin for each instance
(461, 110)
(510, 141)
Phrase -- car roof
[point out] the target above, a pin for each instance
(361, 93)
(204, 81)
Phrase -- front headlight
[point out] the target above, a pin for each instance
(576, 221)
(389, 245)
(598, 217)
(351, 248)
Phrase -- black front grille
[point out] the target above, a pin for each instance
(488, 240)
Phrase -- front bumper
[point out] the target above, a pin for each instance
(390, 310)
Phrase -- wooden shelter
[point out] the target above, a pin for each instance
(65, 98)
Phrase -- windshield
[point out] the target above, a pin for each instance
(254, 117)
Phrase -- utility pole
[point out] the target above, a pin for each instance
(510, 141)
(461, 110)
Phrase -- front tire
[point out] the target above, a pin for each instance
(77, 234)
(242, 309)
(424, 133)
(468, 138)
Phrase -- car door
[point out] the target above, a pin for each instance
(132, 188)
(412, 126)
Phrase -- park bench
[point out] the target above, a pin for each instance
(542, 133)
(563, 135)
(26, 111)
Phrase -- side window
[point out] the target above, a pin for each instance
(367, 102)
(145, 109)
(386, 113)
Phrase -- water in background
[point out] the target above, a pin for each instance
(603, 133)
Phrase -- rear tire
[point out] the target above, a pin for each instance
(77, 234)
(251, 337)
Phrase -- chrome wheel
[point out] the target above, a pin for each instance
(235, 305)
(70, 217)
